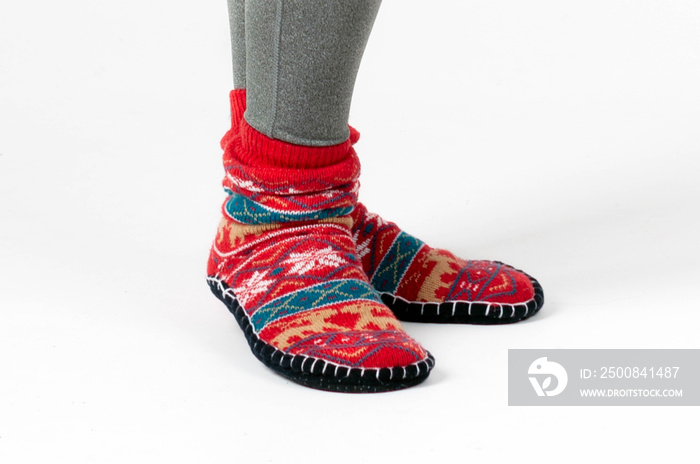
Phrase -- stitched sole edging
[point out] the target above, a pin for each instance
(318, 373)
(465, 312)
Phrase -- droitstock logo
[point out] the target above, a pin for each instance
(541, 372)
(603, 377)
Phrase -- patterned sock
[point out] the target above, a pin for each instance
(284, 263)
(424, 284)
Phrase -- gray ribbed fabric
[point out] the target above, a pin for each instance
(236, 18)
(301, 60)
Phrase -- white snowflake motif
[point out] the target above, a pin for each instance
(376, 218)
(244, 184)
(257, 284)
(307, 260)
(361, 248)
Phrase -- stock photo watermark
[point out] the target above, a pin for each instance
(598, 377)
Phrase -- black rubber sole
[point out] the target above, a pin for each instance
(464, 312)
(318, 373)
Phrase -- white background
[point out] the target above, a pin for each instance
(559, 136)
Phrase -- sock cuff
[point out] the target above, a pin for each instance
(238, 105)
(237, 99)
(277, 153)
(259, 149)
(255, 173)
(258, 142)
(264, 187)
(272, 181)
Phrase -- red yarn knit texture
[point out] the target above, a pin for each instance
(284, 252)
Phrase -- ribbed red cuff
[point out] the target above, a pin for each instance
(238, 104)
(276, 153)
(259, 149)
(237, 98)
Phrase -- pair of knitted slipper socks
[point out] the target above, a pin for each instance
(317, 283)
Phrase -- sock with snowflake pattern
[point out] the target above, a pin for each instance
(284, 263)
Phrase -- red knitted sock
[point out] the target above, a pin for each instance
(425, 284)
(284, 263)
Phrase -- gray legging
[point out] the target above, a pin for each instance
(298, 60)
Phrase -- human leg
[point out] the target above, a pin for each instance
(303, 57)
(236, 18)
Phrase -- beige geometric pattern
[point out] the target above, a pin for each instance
(439, 269)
